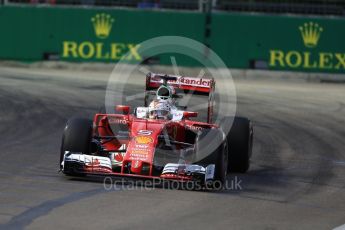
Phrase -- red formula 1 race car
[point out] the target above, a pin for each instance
(159, 140)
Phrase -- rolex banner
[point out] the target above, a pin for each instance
(280, 42)
(88, 35)
(310, 44)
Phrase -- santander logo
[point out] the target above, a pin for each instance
(195, 81)
(200, 82)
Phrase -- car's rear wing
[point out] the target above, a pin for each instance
(194, 85)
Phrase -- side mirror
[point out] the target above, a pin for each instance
(123, 108)
(187, 114)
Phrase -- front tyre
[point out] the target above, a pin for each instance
(76, 137)
(211, 148)
(240, 142)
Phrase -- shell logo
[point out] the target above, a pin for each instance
(143, 140)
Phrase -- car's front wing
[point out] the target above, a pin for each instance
(79, 163)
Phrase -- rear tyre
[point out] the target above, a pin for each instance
(240, 142)
(76, 137)
(211, 148)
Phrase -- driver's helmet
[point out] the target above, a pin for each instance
(159, 109)
(165, 92)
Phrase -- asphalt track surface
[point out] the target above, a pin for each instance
(296, 179)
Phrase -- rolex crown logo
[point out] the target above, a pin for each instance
(102, 24)
(310, 33)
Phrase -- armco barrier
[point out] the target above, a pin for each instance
(241, 40)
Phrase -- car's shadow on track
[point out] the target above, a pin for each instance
(267, 183)
(255, 180)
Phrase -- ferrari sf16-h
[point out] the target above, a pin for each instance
(159, 140)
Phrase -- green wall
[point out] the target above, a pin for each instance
(277, 42)
(28, 33)
(241, 40)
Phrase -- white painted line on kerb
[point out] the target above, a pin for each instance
(342, 227)
(339, 162)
